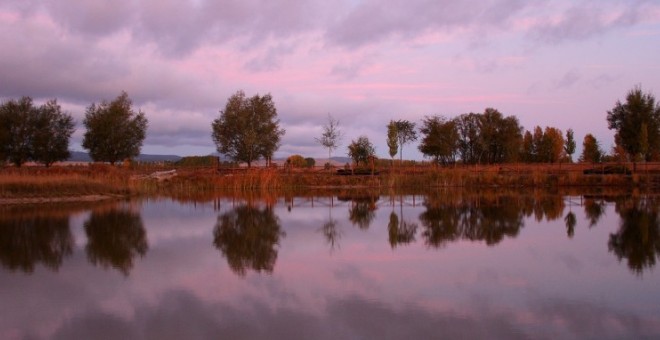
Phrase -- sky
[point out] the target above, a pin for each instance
(560, 63)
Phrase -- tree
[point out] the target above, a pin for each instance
(591, 151)
(552, 145)
(114, 130)
(18, 121)
(569, 146)
(361, 150)
(469, 129)
(331, 136)
(392, 140)
(296, 161)
(247, 128)
(440, 139)
(500, 137)
(629, 118)
(52, 133)
(405, 133)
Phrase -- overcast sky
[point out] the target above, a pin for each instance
(550, 63)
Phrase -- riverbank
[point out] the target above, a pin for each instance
(37, 184)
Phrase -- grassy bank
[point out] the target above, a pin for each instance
(190, 182)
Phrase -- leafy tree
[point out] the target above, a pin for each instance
(296, 161)
(52, 133)
(569, 146)
(19, 122)
(591, 151)
(552, 145)
(310, 162)
(528, 148)
(405, 133)
(500, 137)
(629, 118)
(247, 128)
(114, 130)
(361, 150)
(440, 139)
(331, 136)
(392, 140)
(469, 129)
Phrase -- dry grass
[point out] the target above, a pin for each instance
(190, 183)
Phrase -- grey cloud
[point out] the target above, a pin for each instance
(373, 21)
(91, 17)
(585, 21)
(569, 79)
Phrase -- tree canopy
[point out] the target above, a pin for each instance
(40, 134)
(247, 128)
(361, 150)
(114, 130)
(439, 139)
(637, 125)
(400, 133)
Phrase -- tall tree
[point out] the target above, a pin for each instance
(553, 145)
(405, 133)
(469, 130)
(569, 146)
(52, 133)
(361, 150)
(591, 151)
(247, 128)
(628, 119)
(331, 136)
(114, 130)
(392, 140)
(500, 137)
(440, 139)
(19, 122)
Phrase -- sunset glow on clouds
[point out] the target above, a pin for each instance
(557, 63)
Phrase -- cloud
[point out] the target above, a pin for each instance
(583, 21)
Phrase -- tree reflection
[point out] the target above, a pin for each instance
(26, 241)
(331, 234)
(115, 237)
(593, 209)
(248, 237)
(400, 232)
(474, 220)
(362, 210)
(570, 221)
(638, 237)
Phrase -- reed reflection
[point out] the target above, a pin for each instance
(638, 238)
(28, 238)
(248, 237)
(115, 237)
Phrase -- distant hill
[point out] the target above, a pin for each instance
(79, 156)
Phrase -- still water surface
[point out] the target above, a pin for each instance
(448, 265)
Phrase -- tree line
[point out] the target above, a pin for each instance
(114, 131)
(248, 129)
(493, 138)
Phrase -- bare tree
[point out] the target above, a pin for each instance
(331, 136)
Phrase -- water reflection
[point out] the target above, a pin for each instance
(27, 239)
(638, 237)
(114, 238)
(400, 231)
(474, 219)
(363, 209)
(248, 236)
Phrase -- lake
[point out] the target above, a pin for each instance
(345, 265)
